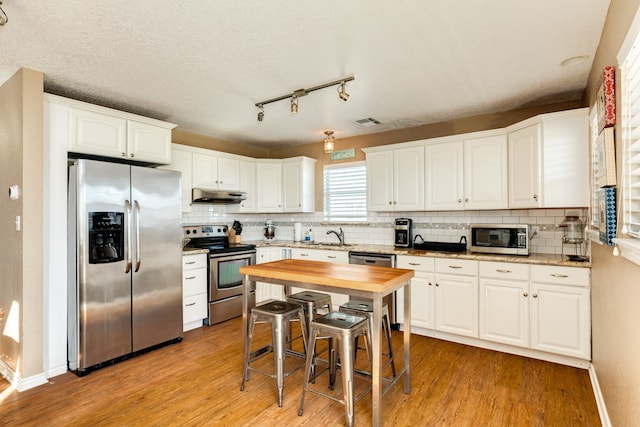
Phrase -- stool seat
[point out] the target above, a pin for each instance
(365, 308)
(279, 314)
(342, 327)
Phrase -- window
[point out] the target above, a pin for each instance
(345, 192)
(629, 61)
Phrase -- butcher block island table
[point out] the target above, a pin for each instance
(360, 281)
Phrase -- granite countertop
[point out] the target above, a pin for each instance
(541, 259)
(194, 251)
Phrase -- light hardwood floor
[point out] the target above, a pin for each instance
(197, 383)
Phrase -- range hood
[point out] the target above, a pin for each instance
(217, 196)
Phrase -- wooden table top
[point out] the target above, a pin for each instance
(349, 276)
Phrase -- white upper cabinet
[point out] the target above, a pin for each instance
(286, 185)
(248, 185)
(469, 174)
(444, 164)
(485, 173)
(395, 179)
(215, 173)
(549, 161)
(100, 131)
(182, 161)
(525, 180)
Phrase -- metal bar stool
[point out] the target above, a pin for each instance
(365, 308)
(343, 328)
(279, 314)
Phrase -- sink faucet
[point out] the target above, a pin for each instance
(339, 235)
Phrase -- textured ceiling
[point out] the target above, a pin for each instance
(203, 64)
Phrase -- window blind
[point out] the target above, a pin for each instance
(345, 192)
(631, 139)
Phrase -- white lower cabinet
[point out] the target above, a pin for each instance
(504, 303)
(337, 299)
(456, 284)
(194, 290)
(444, 294)
(546, 309)
(561, 310)
(268, 291)
(535, 307)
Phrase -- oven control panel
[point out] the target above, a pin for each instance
(191, 231)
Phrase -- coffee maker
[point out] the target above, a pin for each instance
(402, 230)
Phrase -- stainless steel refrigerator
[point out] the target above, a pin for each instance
(124, 261)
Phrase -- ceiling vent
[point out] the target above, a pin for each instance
(366, 123)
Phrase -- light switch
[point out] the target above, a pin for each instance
(18, 223)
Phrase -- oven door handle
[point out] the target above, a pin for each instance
(136, 214)
(127, 206)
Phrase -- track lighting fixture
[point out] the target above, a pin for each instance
(329, 142)
(295, 95)
(342, 93)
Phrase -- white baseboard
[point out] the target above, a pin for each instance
(19, 383)
(602, 408)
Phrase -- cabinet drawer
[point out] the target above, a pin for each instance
(574, 276)
(417, 263)
(194, 282)
(504, 270)
(189, 262)
(457, 266)
(194, 308)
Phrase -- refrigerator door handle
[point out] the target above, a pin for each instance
(136, 214)
(127, 206)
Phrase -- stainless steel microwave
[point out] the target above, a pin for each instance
(508, 239)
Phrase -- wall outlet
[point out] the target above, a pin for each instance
(535, 229)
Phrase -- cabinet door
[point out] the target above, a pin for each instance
(408, 175)
(148, 143)
(444, 185)
(205, 171)
(269, 187)
(228, 174)
(182, 161)
(380, 181)
(485, 173)
(99, 134)
(292, 190)
(422, 300)
(248, 185)
(560, 320)
(267, 291)
(457, 304)
(525, 181)
(504, 311)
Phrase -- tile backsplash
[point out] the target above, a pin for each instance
(446, 226)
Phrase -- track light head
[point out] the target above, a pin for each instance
(294, 105)
(342, 93)
(260, 113)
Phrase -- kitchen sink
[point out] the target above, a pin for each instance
(333, 244)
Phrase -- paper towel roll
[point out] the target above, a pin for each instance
(297, 231)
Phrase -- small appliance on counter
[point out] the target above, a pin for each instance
(235, 232)
(269, 229)
(573, 235)
(402, 233)
(506, 239)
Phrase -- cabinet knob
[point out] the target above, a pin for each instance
(535, 197)
(390, 202)
(437, 284)
(466, 199)
(430, 284)
(535, 295)
(395, 203)
(525, 295)
(124, 154)
(131, 155)
(459, 200)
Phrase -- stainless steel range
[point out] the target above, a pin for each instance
(225, 260)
